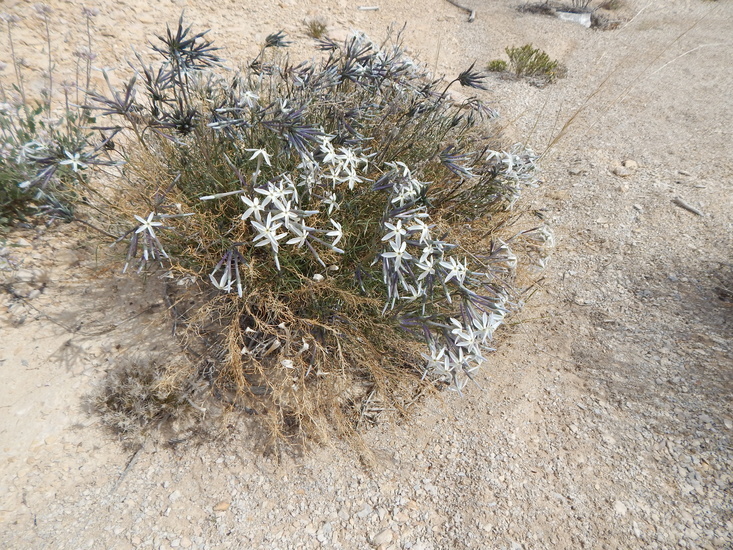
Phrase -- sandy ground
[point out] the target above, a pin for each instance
(605, 418)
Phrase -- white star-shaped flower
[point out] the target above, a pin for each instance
(147, 225)
(399, 253)
(254, 208)
(267, 233)
(457, 270)
(426, 268)
(396, 233)
(422, 227)
(74, 160)
(260, 153)
(337, 233)
(287, 214)
(332, 202)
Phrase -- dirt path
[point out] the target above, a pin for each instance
(605, 420)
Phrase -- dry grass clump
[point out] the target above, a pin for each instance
(311, 211)
(140, 395)
(316, 27)
(612, 5)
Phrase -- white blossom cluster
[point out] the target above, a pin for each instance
(278, 211)
(423, 271)
(429, 285)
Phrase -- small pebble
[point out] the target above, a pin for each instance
(222, 506)
(620, 508)
(384, 537)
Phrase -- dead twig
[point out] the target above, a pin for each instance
(471, 13)
(128, 467)
(682, 204)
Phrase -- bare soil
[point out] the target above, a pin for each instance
(604, 420)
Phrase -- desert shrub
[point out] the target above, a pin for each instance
(43, 161)
(314, 215)
(497, 66)
(316, 27)
(44, 152)
(541, 8)
(532, 62)
(528, 62)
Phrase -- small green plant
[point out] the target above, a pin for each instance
(316, 27)
(44, 153)
(528, 61)
(313, 211)
(497, 66)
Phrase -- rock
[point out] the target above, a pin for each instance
(174, 496)
(325, 533)
(222, 506)
(559, 195)
(383, 537)
(577, 170)
(30, 276)
(637, 531)
(364, 512)
(67, 258)
(620, 508)
(608, 439)
(626, 168)
(579, 18)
